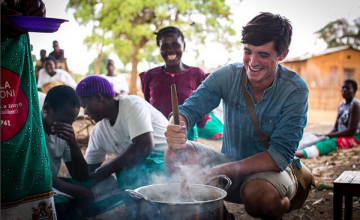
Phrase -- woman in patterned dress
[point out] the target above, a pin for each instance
(26, 180)
(156, 82)
(346, 131)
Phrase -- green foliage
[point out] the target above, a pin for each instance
(91, 68)
(78, 77)
(340, 32)
(126, 27)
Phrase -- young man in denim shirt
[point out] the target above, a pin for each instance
(262, 178)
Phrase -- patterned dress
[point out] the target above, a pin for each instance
(26, 180)
(344, 115)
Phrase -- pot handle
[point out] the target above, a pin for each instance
(138, 197)
(229, 182)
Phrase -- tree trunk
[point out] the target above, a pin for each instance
(97, 64)
(134, 73)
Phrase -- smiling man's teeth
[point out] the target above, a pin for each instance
(171, 57)
(255, 70)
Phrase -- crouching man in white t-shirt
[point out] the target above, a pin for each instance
(128, 127)
(59, 110)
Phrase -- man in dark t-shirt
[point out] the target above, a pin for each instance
(57, 53)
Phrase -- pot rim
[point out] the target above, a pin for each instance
(185, 203)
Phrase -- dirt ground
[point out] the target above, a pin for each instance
(326, 169)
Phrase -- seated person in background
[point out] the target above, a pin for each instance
(59, 110)
(118, 81)
(40, 63)
(42, 57)
(345, 133)
(128, 127)
(49, 74)
(57, 53)
(33, 56)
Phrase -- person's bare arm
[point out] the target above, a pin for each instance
(9, 29)
(353, 123)
(334, 129)
(257, 163)
(93, 167)
(137, 152)
(78, 192)
(78, 168)
(28, 8)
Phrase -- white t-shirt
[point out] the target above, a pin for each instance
(61, 75)
(41, 99)
(136, 116)
(57, 149)
(118, 82)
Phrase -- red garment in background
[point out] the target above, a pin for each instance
(156, 86)
(346, 143)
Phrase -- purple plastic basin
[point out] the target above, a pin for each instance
(37, 24)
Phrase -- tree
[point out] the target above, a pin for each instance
(340, 32)
(102, 67)
(104, 58)
(126, 27)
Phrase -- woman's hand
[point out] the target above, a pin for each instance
(9, 29)
(28, 8)
(100, 174)
(33, 8)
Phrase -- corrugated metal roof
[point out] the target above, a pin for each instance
(317, 54)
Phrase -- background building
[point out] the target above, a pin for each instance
(325, 72)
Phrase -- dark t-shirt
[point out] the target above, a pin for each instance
(58, 55)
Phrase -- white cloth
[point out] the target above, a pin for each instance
(57, 149)
(61, 75)
(118, 82)
(41, 99)
(312, 151)
(136, 117)
(310, 138)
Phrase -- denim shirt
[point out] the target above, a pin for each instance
(281, 113)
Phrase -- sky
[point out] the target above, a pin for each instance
(306, 16)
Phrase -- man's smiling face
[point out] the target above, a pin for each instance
(261, 62)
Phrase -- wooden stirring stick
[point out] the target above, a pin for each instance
(175, 105)
(185, 189)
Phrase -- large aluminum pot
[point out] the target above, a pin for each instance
(163, 201)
